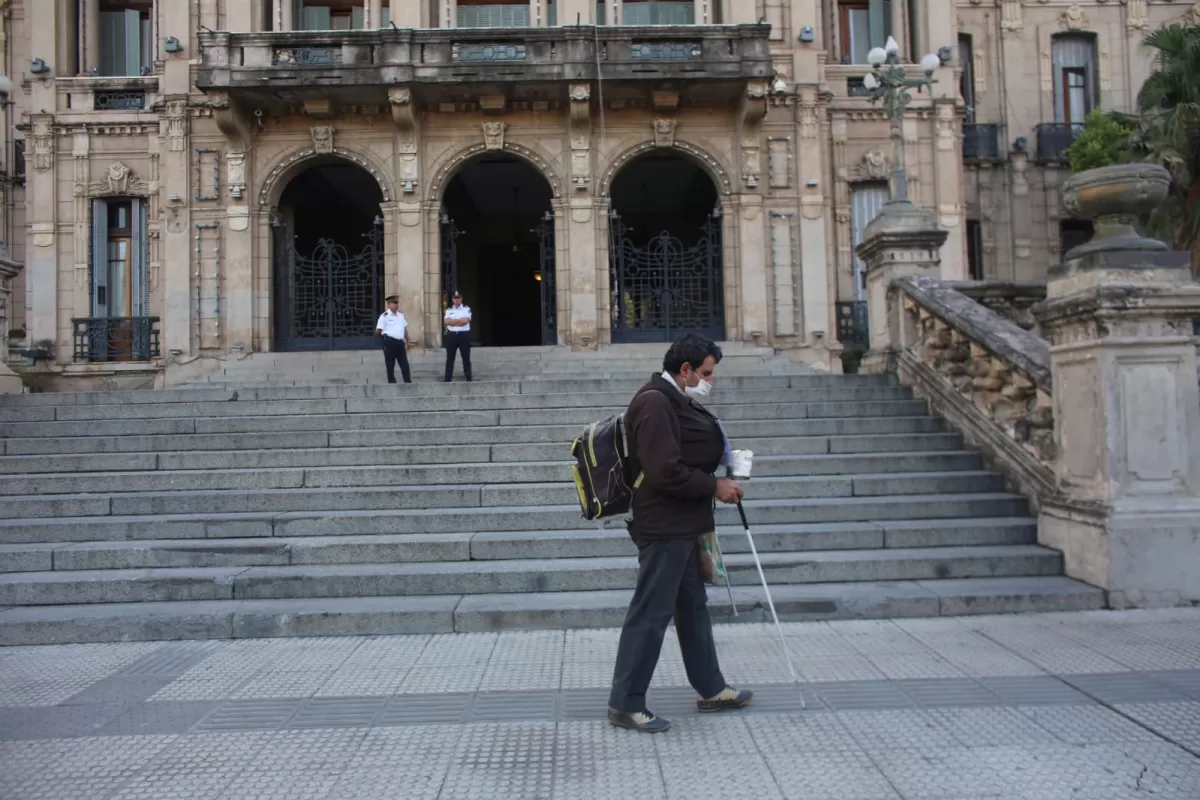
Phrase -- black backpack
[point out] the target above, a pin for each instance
(604, 473)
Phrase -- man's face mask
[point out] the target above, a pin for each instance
(701, 388)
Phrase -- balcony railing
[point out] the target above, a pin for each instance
(103, 339)
(1053, 139)
(982, 142)
(283, 67)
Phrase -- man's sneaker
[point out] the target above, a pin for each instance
(726, 699)
(642, 721)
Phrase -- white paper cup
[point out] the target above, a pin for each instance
(743, 460)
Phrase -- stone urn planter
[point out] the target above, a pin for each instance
(1115, 199)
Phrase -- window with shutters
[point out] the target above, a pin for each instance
(1075, 86)
(126, 38)
(866, 201)
(490, 14)
(861, 26)
(658, 12)
(332, 15)
(119, 256)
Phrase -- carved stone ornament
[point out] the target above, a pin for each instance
(581, 134)
(322, 137)
(580, 92)
(1010, 16)
(493, 135)
(118, 178)
(235, 164)
(43, 145)
(1073, 19)
(175, 125)
(874, 166)
(753, 110)
(664, 132)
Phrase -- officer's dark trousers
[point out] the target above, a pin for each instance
(669, 584)
(458, 342)
(393, 351)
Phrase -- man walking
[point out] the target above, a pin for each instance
(678, 445)
(393, 327)
(458, 336)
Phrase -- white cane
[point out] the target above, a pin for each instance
(742, 459)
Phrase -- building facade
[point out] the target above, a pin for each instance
(210, 178)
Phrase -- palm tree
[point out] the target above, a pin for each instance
(1166, 130)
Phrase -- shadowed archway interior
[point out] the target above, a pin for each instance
(502, 261)
(328, 259)
(665, 250)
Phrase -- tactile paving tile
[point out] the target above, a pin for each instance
(525, 660)
(599, 779)
(877, 695)
(1029, 690)
(394, 748)
(502, 745)
(595, 739)
(417, 781)
(309, 749)
(284, 683)
(830, 775)
(173, 659)
(23, 692)
(1094, 771)
(1124, 687)
(816, 732)
(120, 689)
(55, 722)
(1084, 725)
(348, 682)
(530, 781)
(338, 712)
(946, 772)
(1171, 772)
(171, 785)
(1184, 680)
(1178, 722)
(720, 776)
(950, 692)
(912, 729)
(248, 715)
(583, 704)
(428, 709)
(838, 669)
(513, 706)
(69, 788)
(991, 727)
(726, 735)
(158, 718)
(307, 784)
(206, 752)
(909, 666)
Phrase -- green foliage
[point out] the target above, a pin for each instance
(1102, 142)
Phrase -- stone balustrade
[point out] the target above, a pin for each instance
(981, 370)
(1011, 299)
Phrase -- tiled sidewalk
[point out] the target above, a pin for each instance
(1092, 706)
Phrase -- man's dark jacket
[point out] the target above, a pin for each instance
(678, 446)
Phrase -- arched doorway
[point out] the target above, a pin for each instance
(665, 262)
(497, 248)
(328, 259)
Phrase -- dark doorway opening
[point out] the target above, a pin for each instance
(328, 251)
(497, 249)
(665, 251)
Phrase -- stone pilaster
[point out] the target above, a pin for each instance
(1119, 314)
(41, 192)
(902, 240)
(9, 382)
(576, 277)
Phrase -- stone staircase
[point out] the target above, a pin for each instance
(291, 495)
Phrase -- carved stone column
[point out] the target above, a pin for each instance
(1119, 313)
(406, 14)
(751, 222)
(404, 270)
(238, 245)
(374, 19)
(902, 240)
(576, 279)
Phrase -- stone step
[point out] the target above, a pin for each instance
(284, 491)
(505, 576)
(181, 521)
(501, 545)
(440, 419)
(397, 404)
(52, 469)
(852, 433)
(359, 616)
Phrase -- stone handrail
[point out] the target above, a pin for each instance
(1011, 299)
(988, 376)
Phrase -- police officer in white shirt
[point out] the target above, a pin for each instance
(458, 336)
(393, 327)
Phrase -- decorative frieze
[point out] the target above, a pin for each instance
(783, 267)
(43, 144)
(174, 125)
(580, 135)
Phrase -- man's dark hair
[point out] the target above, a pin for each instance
(691, 349)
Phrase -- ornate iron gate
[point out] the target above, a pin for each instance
(330, 300)
(664, 289)
(545, 232)
(449, 233)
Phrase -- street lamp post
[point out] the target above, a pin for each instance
(889, 81)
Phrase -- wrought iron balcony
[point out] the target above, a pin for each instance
(101, 339)
(983, 142)
(281, 69)
(1053, 139)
